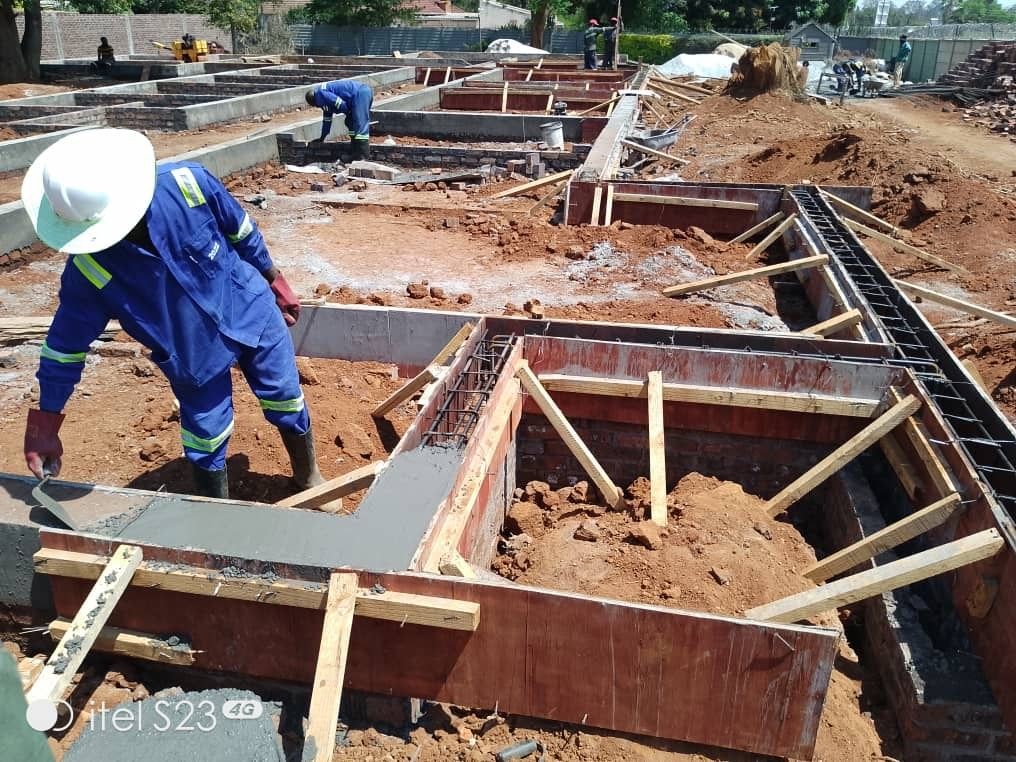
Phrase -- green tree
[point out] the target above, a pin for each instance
(238, 16)
(20, 54)
(358, 12)
(102, 6)
(981, 12)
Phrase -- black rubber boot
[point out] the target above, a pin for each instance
(210, 483)
(360, 149)
(301, 454)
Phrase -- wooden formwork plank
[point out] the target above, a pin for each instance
(895, 574)
(90, 618)
(842, 455)
(905, 471)
(770, 239)
(926, 453)
(712, 203)
(330, 672)
(608, 213)
(904, 247)
(334, 489)
(137, 645)
(534, 184)
(836, 323)
(759, 272)
(758, 227)
(594, 218)
(415, 384)
(957, 304)
(885, 539)
(657, 451)
(653, 152)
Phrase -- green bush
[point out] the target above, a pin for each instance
(649, 48)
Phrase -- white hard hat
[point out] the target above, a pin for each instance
(88, 190)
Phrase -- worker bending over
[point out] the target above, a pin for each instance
(349, 97)
(169, 253)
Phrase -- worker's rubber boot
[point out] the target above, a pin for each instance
(211, 483)
(301, 454)
(359, 149)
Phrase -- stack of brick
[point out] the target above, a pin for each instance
(998, 115)
(993, 66)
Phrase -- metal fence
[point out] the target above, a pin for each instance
(321, 39)
(930, 59)
(942, 32)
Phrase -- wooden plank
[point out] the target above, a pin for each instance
(758, 228)
(29, 671)
(885, 539)
(136, 645)
(611, 105)
(653, 152)
(857, 587)
(608, 214)
(759, 272)
(595, 216)
(901, 464)
(692, 88)
(529, 75)
(657, 451)
(971, 368)
(19, 329)
(534, 184)
(712, 203)
(552, 193)
(504, 98)
(848, 207)
(550, 103)
(454, 565)
(771, 238)
(904, 247)
(672, 92)
(836, 323)
(395, 607)
(842, 455)
(797, 402)
(426, 78)
(610, 491)
(598, 106)
(926, 453)
(957, 304)
(515, 659)
(448, 75)
(84, 629)
(330, 673)
(449, 349)
(333, 489)
(415, 384)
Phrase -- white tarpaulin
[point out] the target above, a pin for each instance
(708, 65)
(506, 45)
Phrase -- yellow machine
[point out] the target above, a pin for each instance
(192, 54)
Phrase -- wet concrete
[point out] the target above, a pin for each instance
(382, 535)
(205, 725)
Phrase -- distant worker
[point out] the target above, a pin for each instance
(589, 40)
(349, 97)
(609, 40)
(216, 47)
(105, 57)
(171, 255)
(187, 40)
(901, 59)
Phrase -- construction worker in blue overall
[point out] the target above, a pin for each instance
(172, 256)
(349, 97)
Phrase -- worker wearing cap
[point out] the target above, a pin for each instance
(172, 256)
(589, 41)
(901, 59)
(609, 37)
(349, 97)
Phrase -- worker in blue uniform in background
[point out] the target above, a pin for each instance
(169, 253)
(349, 97)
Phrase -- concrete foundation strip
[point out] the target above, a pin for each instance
(392, 606)
(842, 455)
(738, 277)
(892, 536)
(857, 587)
(111, 581)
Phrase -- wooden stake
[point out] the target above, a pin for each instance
(847, 206)
(798, 402)
(842, 455)
(594, 218)
(534, 184)
(768, 241)
(84, 629)
(608, 214)
(136, 645)
(758, 228)
(712, 203)
(905, 571)
(610, 491)
(453, 345)
(657, 451)
(454, 565)
(906, 248)
(548, 196)
(331, 666)
(610, 106)
(956, 304)
(529, 75)
(550, 103)
(334, 489)
(836, 323)
(598, 106)
(885, 539)
(539, 64)
(653, 152)
(759, 272)
(447, 75)
(414, 385)
(426, 79)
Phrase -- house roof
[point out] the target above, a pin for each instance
(431, 7)
(811, 27)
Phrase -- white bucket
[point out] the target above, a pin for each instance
(553, 135)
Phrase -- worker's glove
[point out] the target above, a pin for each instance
(286, 299)
(42, 442)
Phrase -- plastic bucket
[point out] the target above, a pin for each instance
(553, 135)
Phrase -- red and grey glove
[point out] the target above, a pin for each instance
(285, 298)
(42, 442)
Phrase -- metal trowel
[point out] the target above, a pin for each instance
(52, 505)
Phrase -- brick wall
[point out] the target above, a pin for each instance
(146, 118)
(76, 35)
(218, 89)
